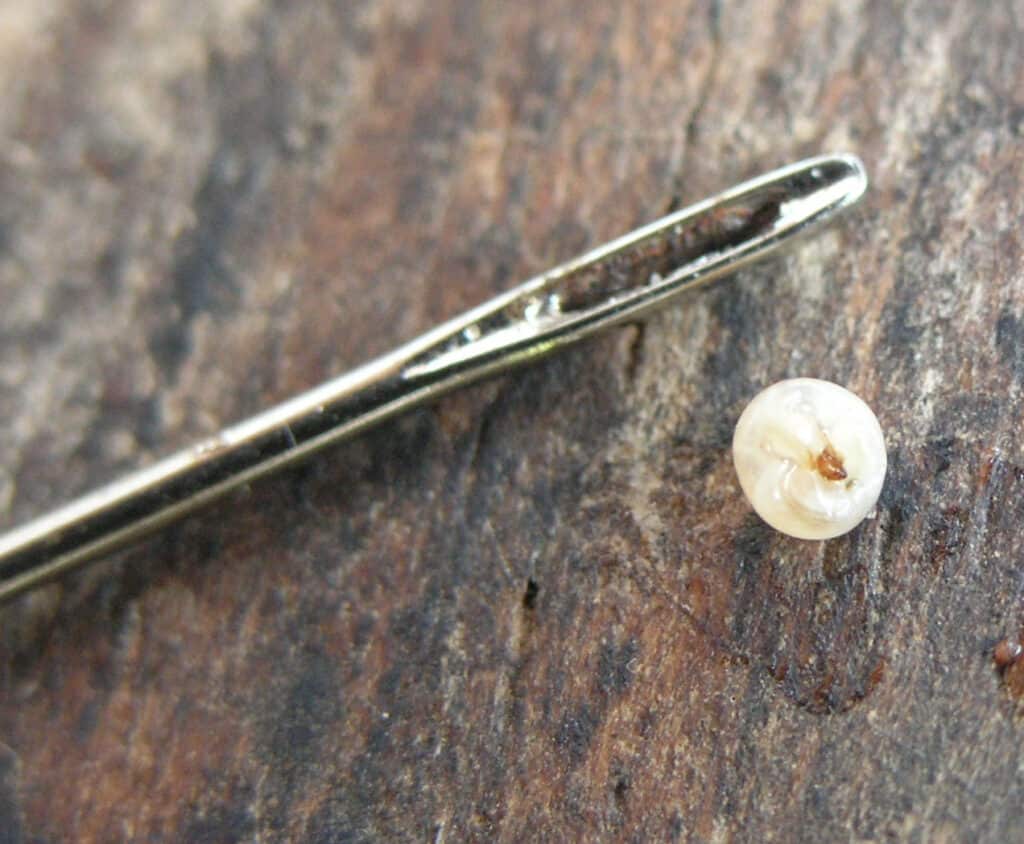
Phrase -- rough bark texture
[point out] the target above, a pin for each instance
(541, 610)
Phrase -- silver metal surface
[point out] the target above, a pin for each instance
(614, 283)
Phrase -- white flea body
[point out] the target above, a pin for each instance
(810, 457)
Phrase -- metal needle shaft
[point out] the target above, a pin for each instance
(611, 284)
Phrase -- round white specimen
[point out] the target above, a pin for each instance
(810, 457)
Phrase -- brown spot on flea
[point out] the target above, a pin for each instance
(830, 465)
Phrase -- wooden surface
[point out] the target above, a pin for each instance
(541, 610)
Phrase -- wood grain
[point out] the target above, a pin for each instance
(541, 610)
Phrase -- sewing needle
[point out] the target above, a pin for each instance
(614, 283)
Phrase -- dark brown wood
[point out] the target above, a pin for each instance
(541, 610)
